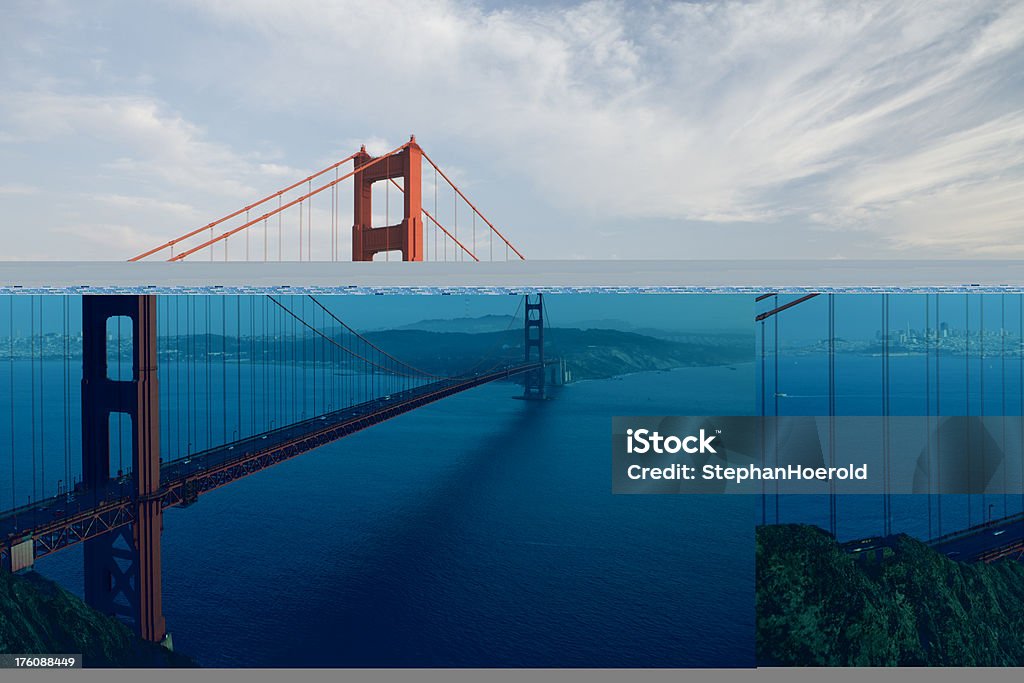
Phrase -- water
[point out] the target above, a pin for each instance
(804, 381)
(478, 531)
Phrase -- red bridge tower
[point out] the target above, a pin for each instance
(122, 567)
(406, 236)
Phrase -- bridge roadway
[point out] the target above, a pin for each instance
(988, 542)
(66, 519)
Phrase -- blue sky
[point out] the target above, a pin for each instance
(585, 130)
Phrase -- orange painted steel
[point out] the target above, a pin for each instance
(217, 222)
(472, 206)
(405, 161)
(452, 237)
(249, 224)
(406, 235)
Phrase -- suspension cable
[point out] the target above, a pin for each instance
(473, 207)
(297, 201)
(313, 329)
(244, 209)
(438, 225)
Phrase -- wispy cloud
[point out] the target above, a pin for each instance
(141, 135)
(765, 112)
(18, 189)
(873, 127)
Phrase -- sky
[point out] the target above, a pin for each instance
(594, 130)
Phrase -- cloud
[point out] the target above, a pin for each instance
(128, 202)
(834, 126)
(18, 189)
(718, 112)
(100, 236)
(140, 160)
(150, 140)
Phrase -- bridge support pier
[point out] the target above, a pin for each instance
(122, 568)
(406, 236)
(534, 342)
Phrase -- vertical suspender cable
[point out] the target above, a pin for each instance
(775, 319)
(928, 406)
(67, 396)
(886, 500)
(967, 399)
(305, 370)
(262, 374)
(832, 410)
(190, 332)
(208, 333)
(194, 363)
(764, 414)
(10, 365)
(177, 371)
(981, 396)
(224, 366)
(435, 215)
(161, 312)
(938, 416)
(252, 362)
(32, 383)
(1002, 392)
(238, 366)
(42, 405)
(334, 219)
(387, 209)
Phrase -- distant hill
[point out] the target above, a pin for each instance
(499, 323)
(484, 323)
(39, 617)
(589, 354)
(453, 346)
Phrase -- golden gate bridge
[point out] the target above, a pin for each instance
(253, 381)
(256, 380)
(261, 379)
(280, 225)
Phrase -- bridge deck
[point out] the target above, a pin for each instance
(58, 522)
(986, 542)
(994, 540)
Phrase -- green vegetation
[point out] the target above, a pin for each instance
(818, 605)
(39, 617)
